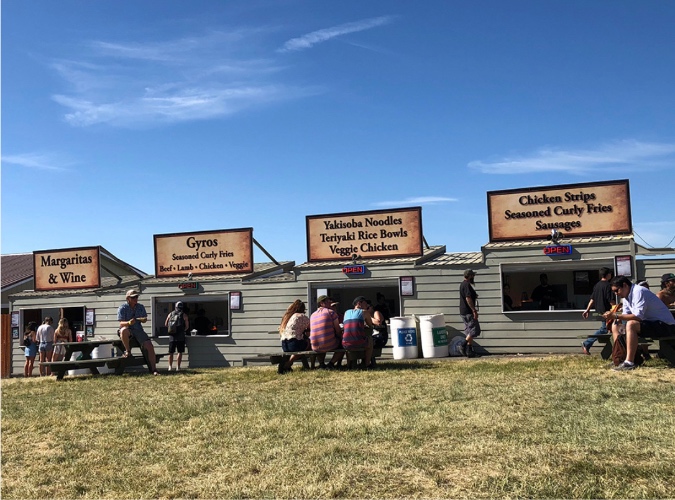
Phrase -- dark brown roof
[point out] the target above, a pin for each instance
(16, 268)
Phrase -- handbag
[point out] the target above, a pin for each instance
(26, 341)
(619, 352)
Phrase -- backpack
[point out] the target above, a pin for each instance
(176, 321)
(619, 352)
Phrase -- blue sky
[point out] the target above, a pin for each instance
(125, 119)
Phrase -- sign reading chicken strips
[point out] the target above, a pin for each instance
(588, 209)
(214, 252)
(367, 235)
(67, 269)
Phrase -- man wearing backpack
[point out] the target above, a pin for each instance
(177, 323)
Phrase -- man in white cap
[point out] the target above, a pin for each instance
(131, 315)
(468, 310)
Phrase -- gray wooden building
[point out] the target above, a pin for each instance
(244, 310)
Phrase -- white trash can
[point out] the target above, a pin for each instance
(403, 337)
(434, 336)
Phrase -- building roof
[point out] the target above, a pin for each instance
(456, 259)
(16, 268)
(622, 238)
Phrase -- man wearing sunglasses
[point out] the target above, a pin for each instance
(643, 312)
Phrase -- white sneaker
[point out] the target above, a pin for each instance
(169, 368)
(178, 368)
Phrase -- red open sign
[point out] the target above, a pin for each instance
(558, 250)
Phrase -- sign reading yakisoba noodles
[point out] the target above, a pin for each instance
(67, 269)
(212, 252)
(375, 234)
(590, 209)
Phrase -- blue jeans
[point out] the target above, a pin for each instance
(592, 338)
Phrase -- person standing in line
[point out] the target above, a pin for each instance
(45, 338)
(130, 315)
(31, 349)
(325, 333)
(603, 300)
(468, 310)
(667, 292)
(643, 312)
(355, 336)
(177, 339)
(294, 331)
(62, 334)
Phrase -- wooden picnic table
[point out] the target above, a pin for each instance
(85, 360)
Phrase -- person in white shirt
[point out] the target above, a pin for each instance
(643, 312)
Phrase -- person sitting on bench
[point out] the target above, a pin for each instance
(131, 315)
(294, 331)
(325, 333)
(644, 314)
(355, 335)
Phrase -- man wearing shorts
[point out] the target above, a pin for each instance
(177, 339)
(468, 310)
(131, 315)
(644, 314)
(45, 339)
(325, 333)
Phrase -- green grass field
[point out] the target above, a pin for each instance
(550, 427)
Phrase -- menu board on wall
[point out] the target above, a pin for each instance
(589, 209)
(367, 235)
(67, 269)
(224, 251)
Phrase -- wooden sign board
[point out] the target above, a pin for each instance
(368, 235)
(590, 209)
(227, 251)
(67, 269)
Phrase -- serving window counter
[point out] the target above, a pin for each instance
(546, 287)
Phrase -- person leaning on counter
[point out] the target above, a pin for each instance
(130, 316)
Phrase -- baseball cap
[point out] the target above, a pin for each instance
(179, 305)
(469, 272)
(132, 293)
(358, 299)
(321, 298)
(667, 277)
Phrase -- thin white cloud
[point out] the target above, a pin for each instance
(620, 156)
(420, 200)
(311, 39)
(36, 161)
(140, 84)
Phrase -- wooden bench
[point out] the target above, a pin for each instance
(308, 358)
(117, 363)
(665, 351)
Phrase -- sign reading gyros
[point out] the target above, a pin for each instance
(368, 235)
(67, 269)
(213, 252)
(573, 209)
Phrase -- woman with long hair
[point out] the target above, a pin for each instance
(31, 348)
(62, 334)
(294, 331)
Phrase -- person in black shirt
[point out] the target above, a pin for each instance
(544, 293)
(603, 300)
(468, 310)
